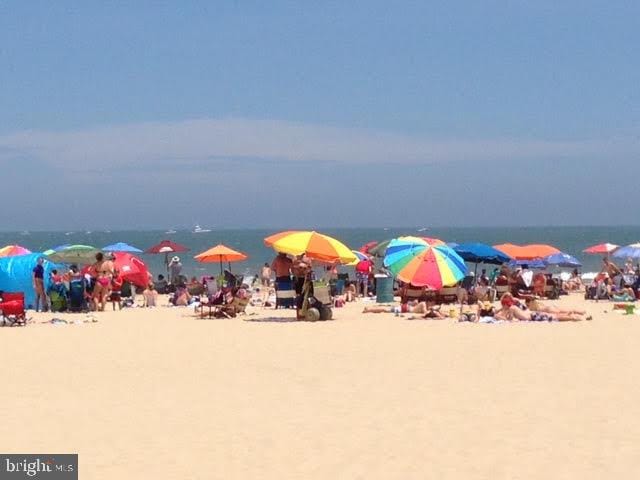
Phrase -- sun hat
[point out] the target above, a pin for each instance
(175, 259)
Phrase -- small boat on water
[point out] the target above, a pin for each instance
(423, 229)
(25, 232)
(199, 229)
(171, 231)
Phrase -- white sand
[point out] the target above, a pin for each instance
(159, 394)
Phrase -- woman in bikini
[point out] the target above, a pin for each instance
(102, 271)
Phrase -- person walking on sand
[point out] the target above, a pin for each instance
(363, 270)
(265, 275)
(38, 285)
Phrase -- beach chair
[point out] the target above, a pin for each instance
(12, 308)
(237, 306)
(447, 295)
(285, 294)
(410, 292)
(77, 296)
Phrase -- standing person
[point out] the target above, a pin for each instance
(102, 271)
(265, 275)
(363, 270)
(175, 268)
(38, 285)
(301, 268)
(282, 265)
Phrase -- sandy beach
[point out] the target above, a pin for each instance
(157, 393)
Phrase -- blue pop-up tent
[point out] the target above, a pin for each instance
(16, 275)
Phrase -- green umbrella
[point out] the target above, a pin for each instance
(379, 249)
(81, 254)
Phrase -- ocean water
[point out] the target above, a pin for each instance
(571, 240)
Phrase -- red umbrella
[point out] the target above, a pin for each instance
(602, 248)
(365, 248)
(167, 247)
(130, 268)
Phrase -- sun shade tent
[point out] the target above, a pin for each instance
(16, 275)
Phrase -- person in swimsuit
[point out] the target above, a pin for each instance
(102, 272)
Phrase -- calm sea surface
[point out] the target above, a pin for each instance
(571, 240)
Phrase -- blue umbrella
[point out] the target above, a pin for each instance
(534, 263)
(121, 247)
(481, 253)
(630, 251)
(562, 260)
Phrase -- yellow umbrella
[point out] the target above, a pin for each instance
(315, 245)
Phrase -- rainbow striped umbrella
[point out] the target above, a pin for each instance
(315, 245)
(13, 251)
(424, 262)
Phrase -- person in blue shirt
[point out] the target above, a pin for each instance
(38, 285)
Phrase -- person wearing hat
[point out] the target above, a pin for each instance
(175, 268)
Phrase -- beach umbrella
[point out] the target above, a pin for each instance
(630, 251)
(359, 257)
(13, 251)
(416, 261)
(130, 268)
(379, 249)
(562, 260)
(121, 247)
(365, 248)
(315, 245)
(80, 254)
(481, 253)
(601, 248)
(166, 247)
(527, 252)
(534, 263)
(55, 249)
(220, 253)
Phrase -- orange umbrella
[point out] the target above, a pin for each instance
(220, 253)
(527, 252)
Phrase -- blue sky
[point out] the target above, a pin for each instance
(366, 113)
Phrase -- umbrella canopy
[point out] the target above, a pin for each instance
(365, 248)
(562, 260)
(379, 249)
(416, 261)
(601, 248)
(359, 257)
(81, 254)
(535, 263)
(630, 251)
(315, 245)
(167, 246)
(13, 250)
(481, 253)
(526, 252)
(121, 247)
(220, 253)
(131, 269)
